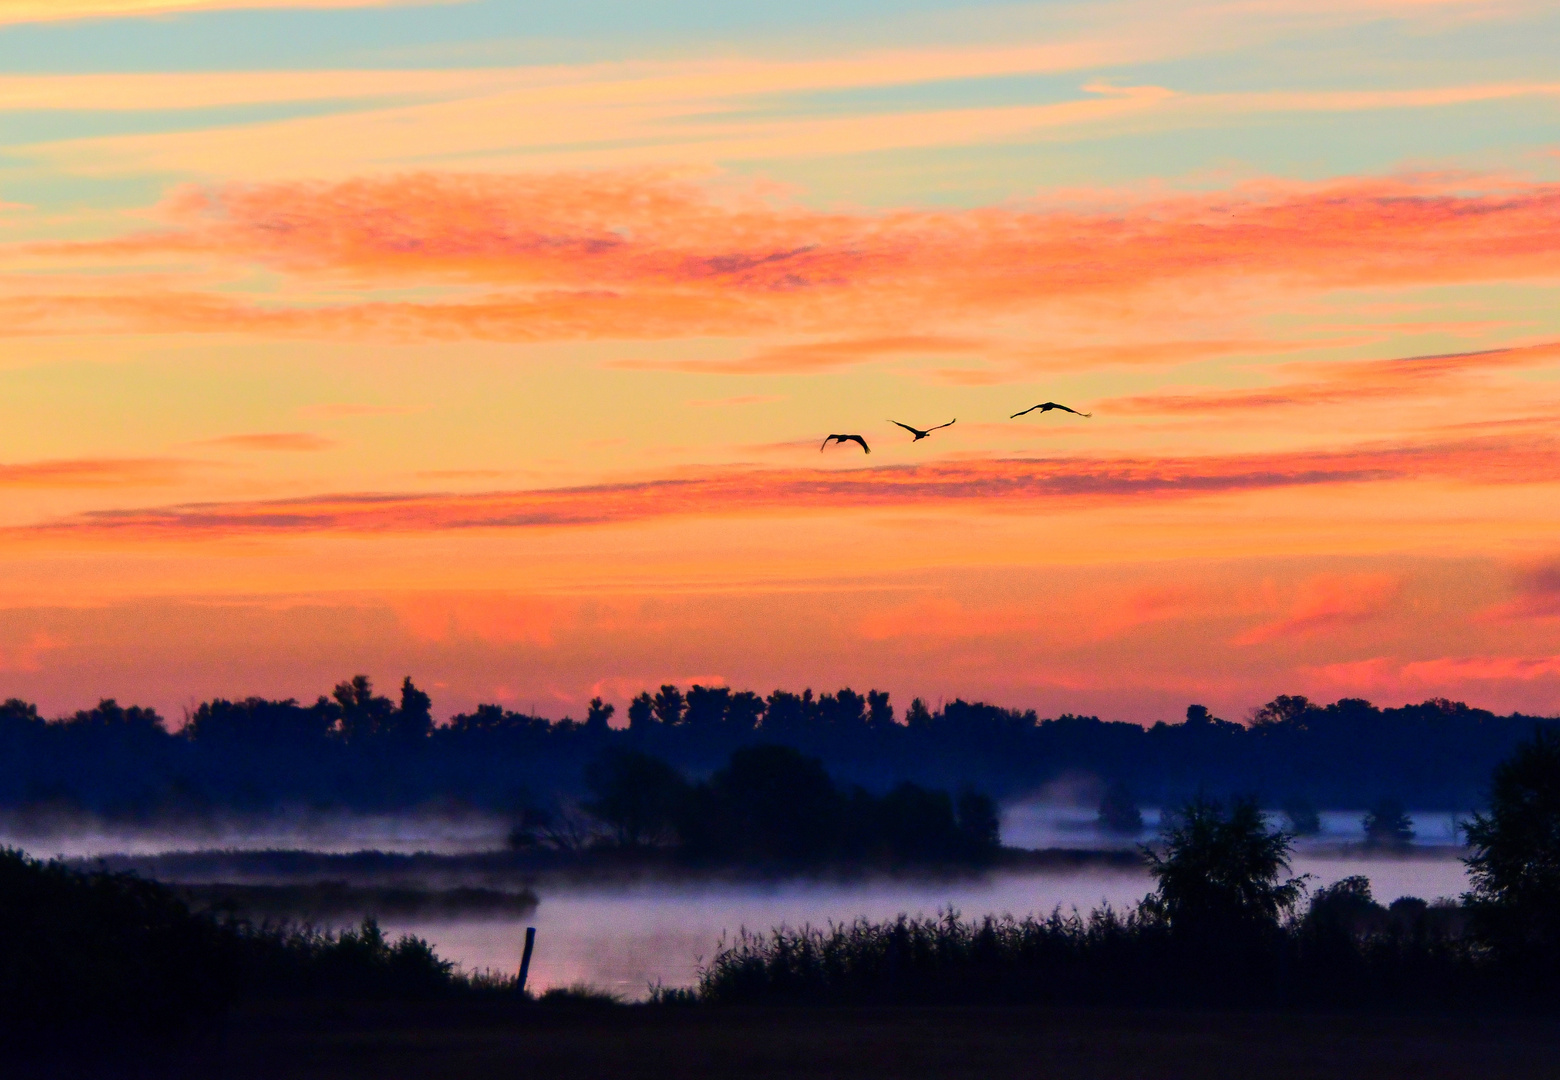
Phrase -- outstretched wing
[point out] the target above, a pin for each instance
(859, 439)
(1064, 408)
(908, 428)
(1031, 409)
(827, 440)
(939, 427)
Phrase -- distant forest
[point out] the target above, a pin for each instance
(359, 750)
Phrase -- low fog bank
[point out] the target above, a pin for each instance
(76, 835)
(1052, 819)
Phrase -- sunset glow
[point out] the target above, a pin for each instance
(495, 345)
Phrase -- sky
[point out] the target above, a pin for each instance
(493, 342)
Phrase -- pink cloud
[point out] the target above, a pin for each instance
(1345, 383)
(1326, 603)
(999, 484)
(95, 473)
(27, 657)
(640, 255)
(273, 440)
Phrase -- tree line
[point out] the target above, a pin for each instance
(768, 806)
(356, 748)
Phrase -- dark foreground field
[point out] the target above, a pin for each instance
(466, 1041)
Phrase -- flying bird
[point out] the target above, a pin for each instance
(1047, 406)
(919, 434)
(842, 439)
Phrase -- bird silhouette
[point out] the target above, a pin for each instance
(845, 439)
(1047, 406)
(919, 434)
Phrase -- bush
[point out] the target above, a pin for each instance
(108, 951)
(120, 956)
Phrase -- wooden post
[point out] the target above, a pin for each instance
(525, 957)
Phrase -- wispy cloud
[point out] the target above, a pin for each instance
(19, 11)
(999, 485)
(1345, 382)
(813, 356)
(1324, 604)
(646, 255)
(273, 440)
(95, 473)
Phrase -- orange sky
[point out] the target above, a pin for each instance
(495, 348)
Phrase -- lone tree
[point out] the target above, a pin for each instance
(1119, 811)
(1387, 824)
(638, 796)
(1515, 865)
(1222, 871)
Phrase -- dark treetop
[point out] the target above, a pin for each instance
(357, 749)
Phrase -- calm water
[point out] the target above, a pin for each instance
(627, 939)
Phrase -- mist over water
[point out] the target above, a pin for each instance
(70, 835)
(1045, 823)
(625, 938)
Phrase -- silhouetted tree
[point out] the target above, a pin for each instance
(363, 713)
(918, 717)
(1119, 811)
(639, 796)
(706, 707)
(744, 711)
(1286, 710)
(1515, 865)
(1387, 824)
(414, 719)
(19, 715)
(598, 717)
(880, 714)
(1221, 870)
(669, 706)
(109, 717)
(1302, 817)
(979, 825)
(788, 715)
(641, 713)
(768, 802)
(916, 822)
(1345, 907)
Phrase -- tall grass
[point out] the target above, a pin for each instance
(1101, 958)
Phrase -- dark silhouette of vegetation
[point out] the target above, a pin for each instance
(1221, 870)
(1387, 824)
(772, 804)
(1119, 811)
(1302, 817)
(357, 749)
(638, 796)
(1221, 928)
(121, 957)
(1515, 865)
